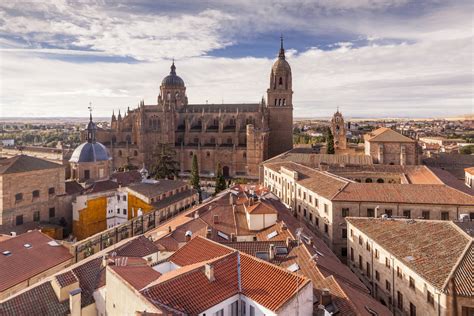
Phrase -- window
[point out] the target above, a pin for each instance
(304, 196)
(370, 212)
(367, 268)
(124, 211)
(219, 313)
(36, 216)
(36, 194)
(243, 308)
(344, 233)
(317, 221)
(310, 199)
(325, 208)
(425, 214)
(377, 254)
(412, 309)
(352, 233)
(326, 228)
(412, 283)
(445, 216)
(124, 198)
(345, 212)
(430, 298)
(399, 300)
(344, 252)
(352, 254)
(118, 198)
(388, 286)
(304, 213)
(388, 212)
(18, 197)
(19, 220)
(399, 273)
(52, 212)
(360, 262)
(361, 241)
(387, 262)
(316, 202)
(407, 213)
(367, 246)
(252, 310)
(234, 308)
(311, 217)
(87, 174)
(377, 275)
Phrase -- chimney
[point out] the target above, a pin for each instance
(288, 242)
(216, 219)
(104, 260)
(231, 199)
(209, 232)
(271, 252)
(325, 297)
(283, 226)
(196, 214)
(209, 271)
(232, 237)
(188, 235)
(75, 302)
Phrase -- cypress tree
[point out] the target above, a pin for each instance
(330, 143)
(220, 180)
(195, 180)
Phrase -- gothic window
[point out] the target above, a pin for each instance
(280, 81)
(275, 102)
(284, 102)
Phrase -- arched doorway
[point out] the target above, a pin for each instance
(225, 171)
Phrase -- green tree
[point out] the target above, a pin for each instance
(220, 180)
(467, 150)
(195, 180)
(330, 142)
(164, 164)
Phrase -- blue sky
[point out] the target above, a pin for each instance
(372, 58)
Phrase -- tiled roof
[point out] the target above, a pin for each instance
(100, 186)
(434, 247)
(470, 170)
(403, 193)
(72, 187)
(24, 163)
(260, 207)
(137, 276)
(24, 263)
(197, 250)
(66, 278)
(91, 277)
(38, 300)
(127, 177)
(268, 285)
(464, 274)
(138, 247)
(384, 134)
(322, 183)
(153, 189)
(450, 180)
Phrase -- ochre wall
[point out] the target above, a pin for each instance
(92, 219)
(136, 203)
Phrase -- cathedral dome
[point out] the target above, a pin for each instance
(90, 152)
(173, 79)
(281, 65)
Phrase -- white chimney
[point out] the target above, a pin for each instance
(209, 271)
(75, 302)
(271, 252)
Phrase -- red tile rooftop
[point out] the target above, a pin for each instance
(24, 262)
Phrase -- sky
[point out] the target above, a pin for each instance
(370, 58)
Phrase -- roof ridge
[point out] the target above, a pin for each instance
(458, 262)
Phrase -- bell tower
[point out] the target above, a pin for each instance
(280, 106)
(338, 130)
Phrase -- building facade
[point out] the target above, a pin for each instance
(414, 267)
(238, 136)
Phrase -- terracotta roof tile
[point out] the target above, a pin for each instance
(260, 207)
(464, 274)
(126, 178)
(384, 134)
(138, 247)
(435, 246)
(137, 276)
(66, 278)
(24, 163)
(197, 250)
(24, 263)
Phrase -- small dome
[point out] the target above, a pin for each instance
(90, 152)
(281, 65)
(173, 79)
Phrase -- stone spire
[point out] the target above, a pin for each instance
(281, 55)
(91, 128)
(113, 116)
(173, 69)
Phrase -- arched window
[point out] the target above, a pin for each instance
(280, 81)
(191, 154)
(244, 154)
(284, 102)
(275, 102)
(135, 153)
(208, 154)
(120, 153)
(380, 180)
(368, 180)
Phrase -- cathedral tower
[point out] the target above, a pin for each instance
(338, 130)
(280, 106)
(172, 91)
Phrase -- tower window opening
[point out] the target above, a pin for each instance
(275, 102)
(284, 102)
(280, 81)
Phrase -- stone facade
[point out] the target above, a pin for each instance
(238, 136)
(388, 147)
(338, 129)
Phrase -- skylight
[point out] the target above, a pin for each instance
(294, 267)
(222, 235)
(262, 255)
(272, 234)
(7, 253)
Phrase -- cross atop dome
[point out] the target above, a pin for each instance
(281, 54)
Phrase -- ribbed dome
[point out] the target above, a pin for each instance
(281, 65)
(90, 152)
(173, 79)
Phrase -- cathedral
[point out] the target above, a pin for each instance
(238, 136)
